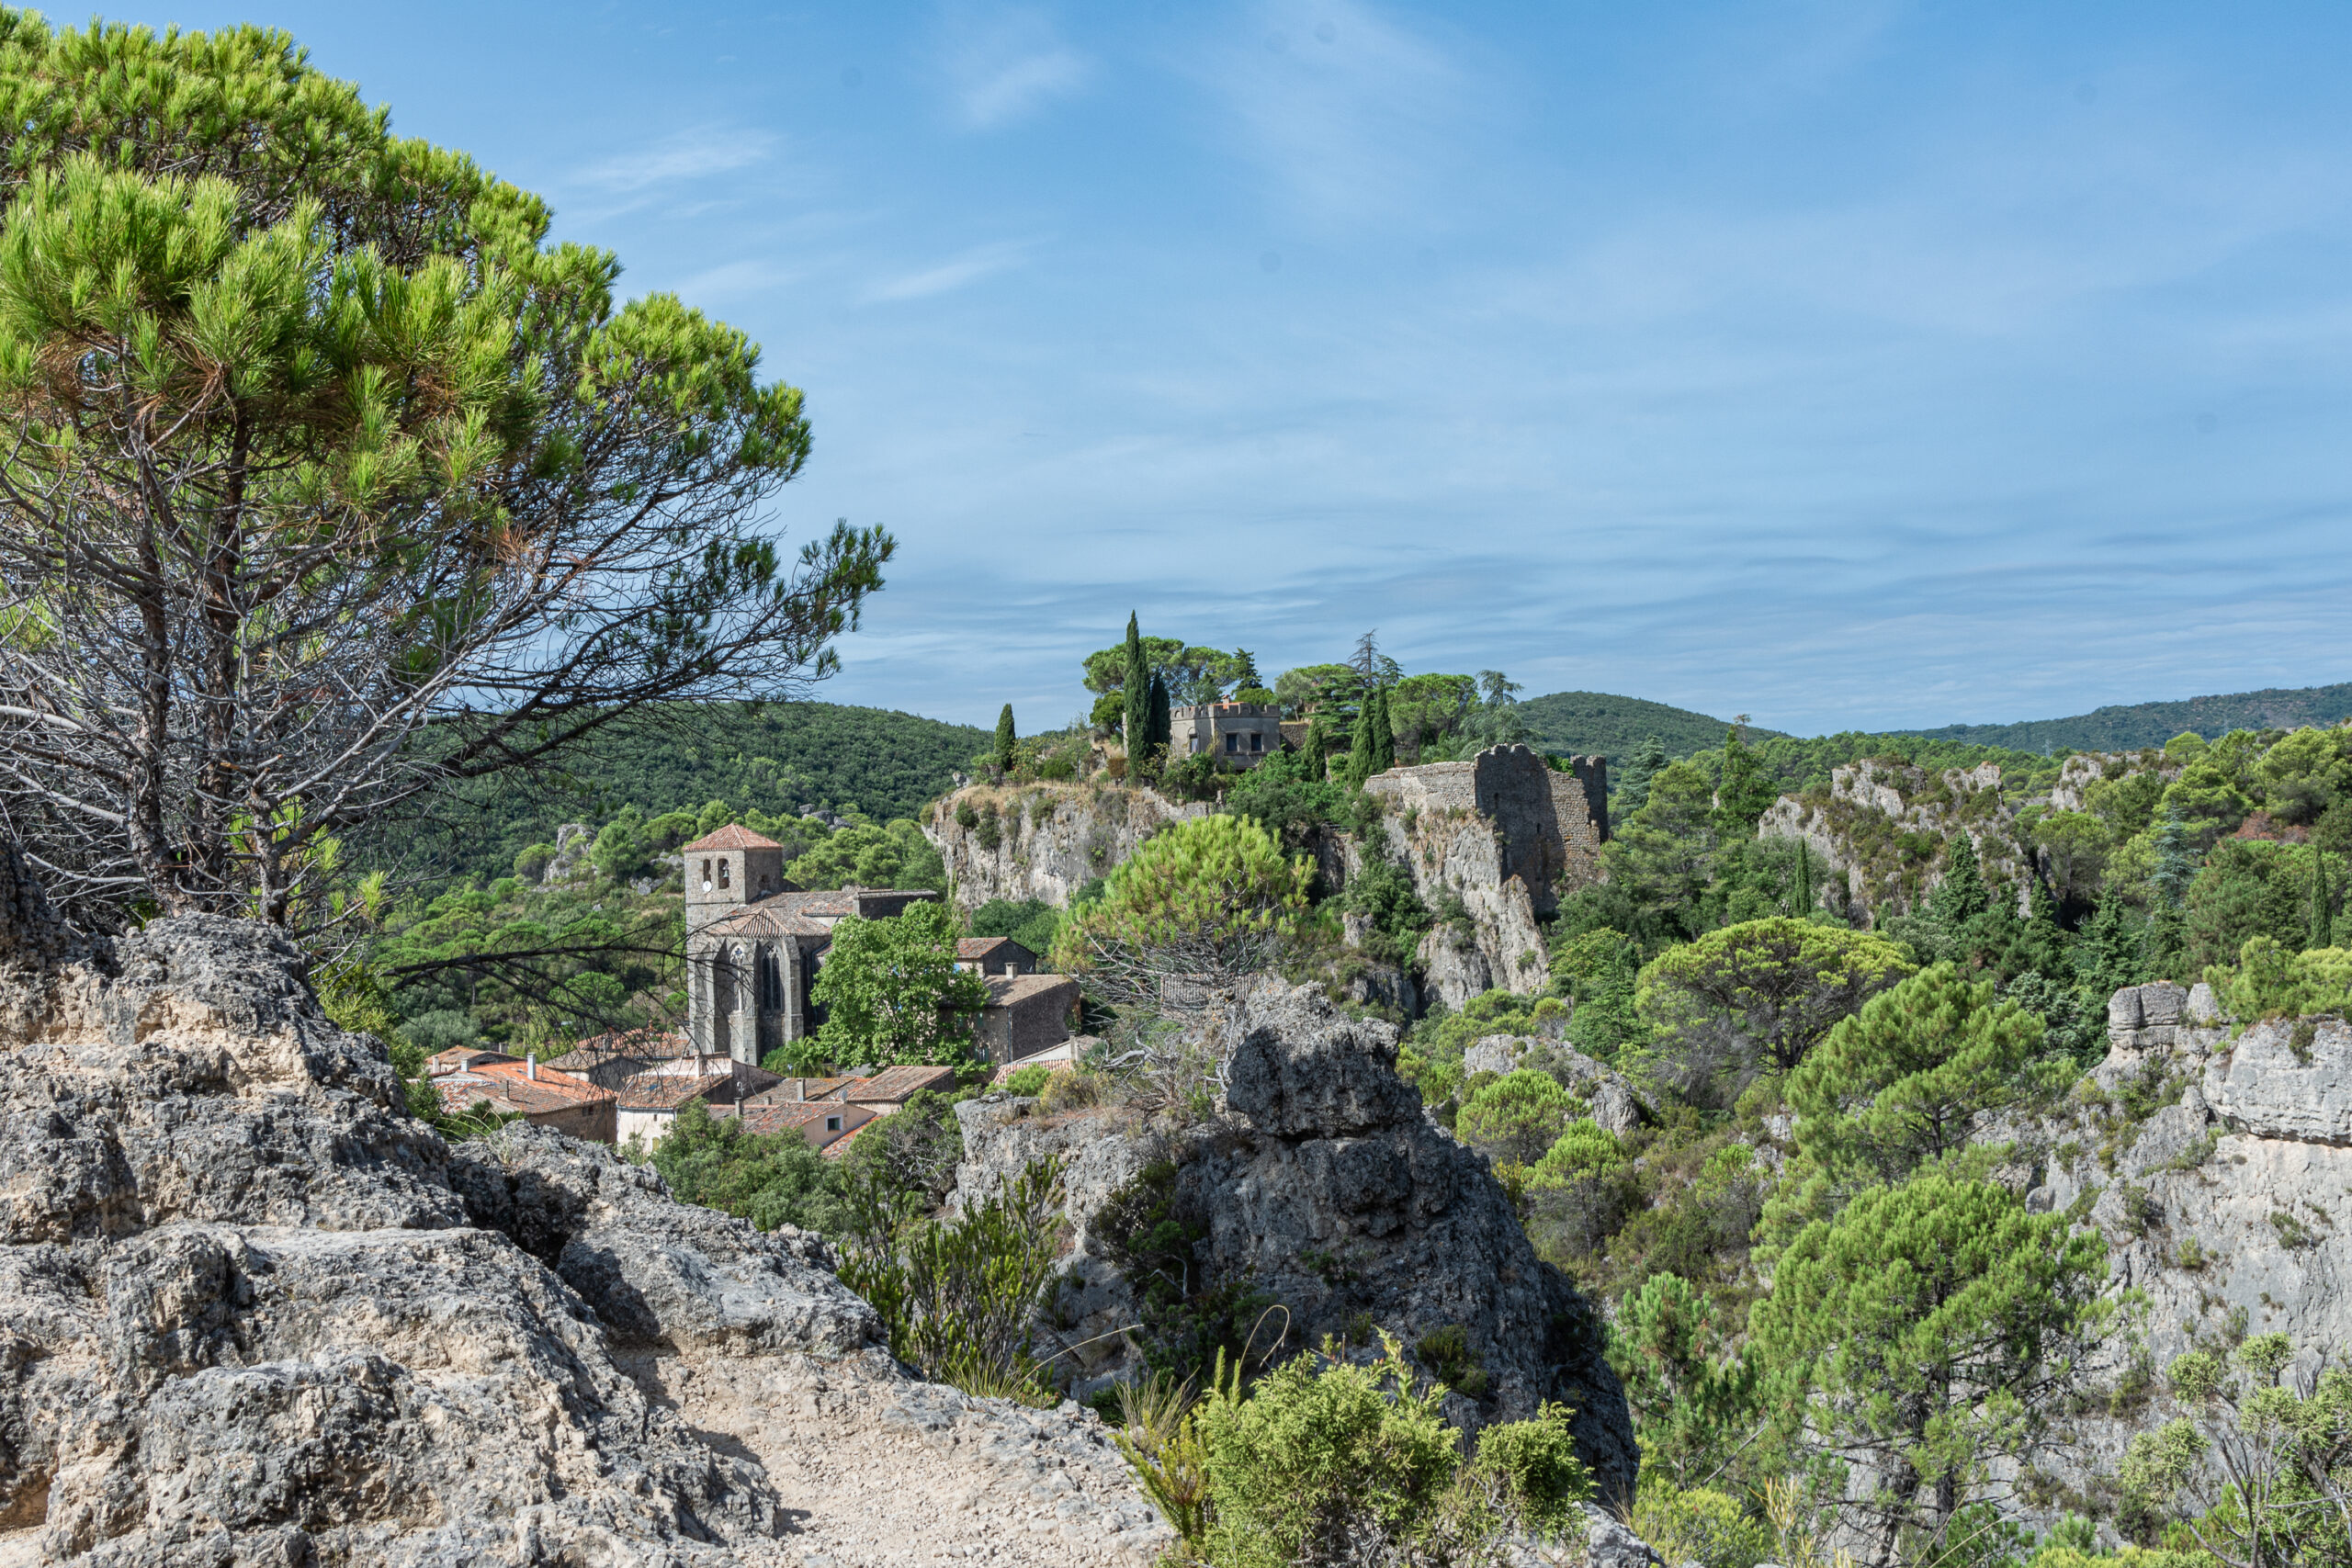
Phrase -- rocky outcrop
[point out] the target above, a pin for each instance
(1324, 1186)
(1043, 841)
(1491, 844)
(1608, 1094)
(1882, 828)
(251, 1313)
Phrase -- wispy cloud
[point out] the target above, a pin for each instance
(1351, 113)
(949, 276)
(1006, 66)
(688, 156)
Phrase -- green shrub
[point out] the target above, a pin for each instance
(1453, 1360)
(1029, 1080)
(1517, 1117)
(1700, 1526)
(958, 1296)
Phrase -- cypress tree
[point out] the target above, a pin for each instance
(1804, 879)
(1360, 748)
(1162, 725)
(1004, 740)
(1136, 685)
(2323, 911)
(1384, 738)
(1635, 791)
(1961, 896)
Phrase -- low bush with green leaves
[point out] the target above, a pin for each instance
(1029, 1080)
(1325, 1461)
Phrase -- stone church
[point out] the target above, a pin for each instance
(752, 941)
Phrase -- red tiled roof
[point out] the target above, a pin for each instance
(894, 1084)
(734, 836)
(792, 1117)
(840, 1145)
(667, 1091)
(1058, 1065)
(508, 1084)
(646, 1043)
(800, 1091)
(985, 946)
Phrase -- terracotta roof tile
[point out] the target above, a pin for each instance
(667, 1091)
(734, 836)
(508, 1084)
(986, 947)
(893, 1084)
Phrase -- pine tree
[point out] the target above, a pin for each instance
(1384, 739)
(2323, 909)
(1005, 755)
(1136, 683)
(1804, 880)
(2166, 945)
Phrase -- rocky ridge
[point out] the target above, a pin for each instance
(1882, 827)
(251, 1312)
(1043, 841)
(1326, 1186)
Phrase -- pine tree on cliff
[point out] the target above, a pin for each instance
(1005, 753)
(2108, 956)
(1136, 683)
(1384, 736)
(2167, 947)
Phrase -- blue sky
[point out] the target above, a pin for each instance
(1847, 365)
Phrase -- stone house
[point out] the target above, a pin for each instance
(753, 943)
(1026, 1015)
(511, 1086)
(1243, 734)
(646, 1105)
(823, 1122)
(994, 955)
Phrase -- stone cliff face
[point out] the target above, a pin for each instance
(1328, 1188)
(1882, 827)
(1044, 840)
(1491, 844)
(251, 1312)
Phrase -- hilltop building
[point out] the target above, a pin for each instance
(1244, 734)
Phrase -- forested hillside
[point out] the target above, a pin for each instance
(1582, 722)
(2125, 727)
(773, 758)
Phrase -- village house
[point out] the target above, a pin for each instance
(994, 955)
(1026, 1015)
(1243, 734)
(468, 1080)
(648, 1104)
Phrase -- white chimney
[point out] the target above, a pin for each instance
(531, 1067)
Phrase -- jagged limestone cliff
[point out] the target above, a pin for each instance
(1043, 841)
(1326, 1187)
(251, 1312)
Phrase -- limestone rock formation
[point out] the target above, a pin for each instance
(1859, 825)
(1328, 1188)
(251, 1312)
(1615, 1107)
(1044, 840)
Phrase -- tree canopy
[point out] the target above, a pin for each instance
(892, 992)
(320, 446)
(1757, 996)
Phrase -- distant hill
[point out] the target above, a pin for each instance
(2125, 727)
(1586, 722)
(777, 756)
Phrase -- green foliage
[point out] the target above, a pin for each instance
(1032, 922)
(958, 1296)
(760, 762)
(896, 855)
(1584, 1151)
(1907, 1081)
(1517, 1117)
(1584, 722)
(1383, 893)
(1926, 1335)
(1694, 1402)
(1454, 1361)
(1191, 1325)
(1029, 1080)
(1698, 1525)
(2271, 980)
(1135, 694)
(2258, 1464)
(1288, 795)
(1325, 1461)
(1008, 750)
(1212, 897)
(1745, 789)
(892, 992)
(770, 1179)
(2249, 887)
(1757, 997)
